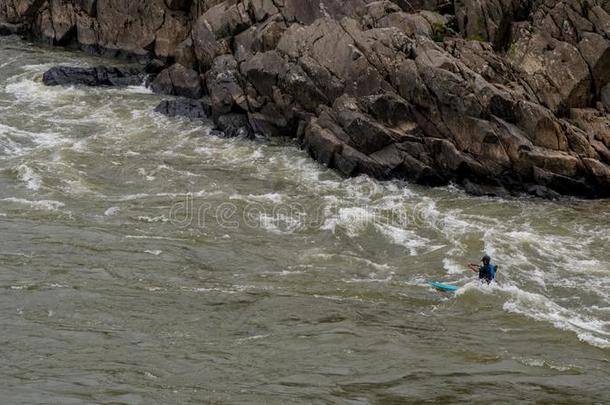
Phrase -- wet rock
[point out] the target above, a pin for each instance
(178, 81)
(224, 84)
(11, 29)
(195, 110)
(270, 124)
(95, 76)
(235, 125)
(154, 67)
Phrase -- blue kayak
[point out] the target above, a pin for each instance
(444, 287)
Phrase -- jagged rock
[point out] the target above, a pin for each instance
(178, 81)
(264, 70)
(386, 88)
(204, 44)
(235, 125)
(261, 38)
(195, 110)
(185, 54)
(95, 76)
(224, 86)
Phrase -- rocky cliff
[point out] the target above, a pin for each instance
(490, 94)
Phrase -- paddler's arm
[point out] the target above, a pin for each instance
(473, 267)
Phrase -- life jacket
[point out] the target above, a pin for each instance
(487, 272)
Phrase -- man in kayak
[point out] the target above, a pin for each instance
(487, 271)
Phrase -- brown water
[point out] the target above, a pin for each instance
(143, 261)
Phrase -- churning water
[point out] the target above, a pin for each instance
(144, 261)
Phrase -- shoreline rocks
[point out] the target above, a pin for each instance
(490, 94)
(94, 76)
(194, 110)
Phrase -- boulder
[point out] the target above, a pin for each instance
(178, 81)
(264, 70)
(224, 84)
(234, 126)
(94, 76)
(194, 110)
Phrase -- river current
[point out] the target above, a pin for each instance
(143, 261)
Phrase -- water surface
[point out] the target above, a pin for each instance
(144, 261)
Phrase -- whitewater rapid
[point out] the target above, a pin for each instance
(91, 180)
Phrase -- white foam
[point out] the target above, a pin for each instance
(273, 197)
(542, 363)
(353, 219)
(142, 196)
(250, 338)
(36, 93)
(146, 218)
(280, 223)
(111, 211)
(141, 89)
(541, 308)
(452, 267)
(283, 273)
(18, 142)
(403, 237)
(8, 146)
(49, 205)
(377, 266)
(152, 237)
(76, 187)
(31, 179)
(372, 278)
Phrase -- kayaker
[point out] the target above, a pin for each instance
(487, 271)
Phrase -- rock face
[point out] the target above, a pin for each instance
(490, 94)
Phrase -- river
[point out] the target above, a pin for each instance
(143, 261)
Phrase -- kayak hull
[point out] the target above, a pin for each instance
(444, 287)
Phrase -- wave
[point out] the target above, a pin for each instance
(18, 142)
(49, 205)
(27, 175)
(35, 93)
(539, 307)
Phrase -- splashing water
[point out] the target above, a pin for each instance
(145, 261)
